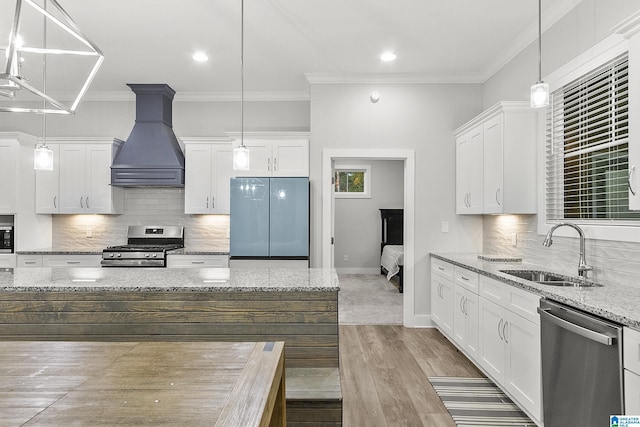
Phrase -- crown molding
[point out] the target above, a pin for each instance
(267, 96)
(628, 27)
(390, 78)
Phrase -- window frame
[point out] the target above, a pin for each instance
(366, 194)
(598, 55)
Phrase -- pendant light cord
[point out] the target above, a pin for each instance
(44, 76)
(242, 73)
(539, 40)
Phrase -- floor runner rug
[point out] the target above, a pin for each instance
(478, 402)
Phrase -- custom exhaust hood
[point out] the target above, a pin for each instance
(151, 156)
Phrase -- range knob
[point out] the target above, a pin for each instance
(118, 255)
(146, 255)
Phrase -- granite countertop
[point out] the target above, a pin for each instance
(122, 279)
(619, 303)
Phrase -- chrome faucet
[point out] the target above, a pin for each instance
(582, 263)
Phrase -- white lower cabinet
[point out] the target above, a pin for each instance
(509, 348)
(442, 296)
(7, 260)
(194, 261)
(29, 260)
(465, 320)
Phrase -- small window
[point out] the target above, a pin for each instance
(352, 181)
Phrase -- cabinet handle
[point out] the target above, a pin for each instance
(464, 306)
(73, 262)
(461, 304)
(497, 193)
(504, 331)
(213, 202)
(86, 202)
(29, 262)
(633, 168)
(54, 202)
(207, 202)
(197, 262)
(81, 204)
(464, 278)
(275, 164)
(440, 290)
(440, 268)
(269, 163)
(500, 328)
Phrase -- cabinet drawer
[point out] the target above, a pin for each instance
(631, 350)
(523, 303)
(466, 278)
(187, 261)
(29, 261)
(7, 261)
(493, 290)
(71, 260)
(442, 268)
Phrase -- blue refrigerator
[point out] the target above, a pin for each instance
(269, 218)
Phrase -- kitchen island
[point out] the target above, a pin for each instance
(298, 306)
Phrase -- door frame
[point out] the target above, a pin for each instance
(328, 212)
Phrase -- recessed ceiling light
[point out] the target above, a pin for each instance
(200, 57)
(388, 56)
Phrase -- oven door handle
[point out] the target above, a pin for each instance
(576, 329)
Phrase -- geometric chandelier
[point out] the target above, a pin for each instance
(41, 32)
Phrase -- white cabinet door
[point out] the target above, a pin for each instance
(29, 260)
(98, 191)
(197, 180)
(48, 185)
(465, 320)
(493, 165)
(469, 172)
(442, 303)
(207, 174)
(7, 260)
(222, 164)
(523, 368)
(291, 158)
(491, 345)
(260, 157)
(8, 177)
(72, 178)
(631, 393)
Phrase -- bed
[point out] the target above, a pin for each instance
(391, 247)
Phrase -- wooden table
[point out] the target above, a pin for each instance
(142, 383)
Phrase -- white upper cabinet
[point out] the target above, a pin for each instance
(496, 161)
(208, 167)
(276, 156)
(81, 180)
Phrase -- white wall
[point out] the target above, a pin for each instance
(357, 221)
(421, 117)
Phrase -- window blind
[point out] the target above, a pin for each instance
(587, 137)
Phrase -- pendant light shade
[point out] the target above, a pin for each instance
(241, 155)
(43, 158)
(540, 90)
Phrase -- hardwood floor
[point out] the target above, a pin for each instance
(384, 372)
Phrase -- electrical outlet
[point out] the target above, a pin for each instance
(345, 258)
(445, 226)
(89, 232)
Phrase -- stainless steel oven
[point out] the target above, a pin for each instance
(147, 246)
(6, 231)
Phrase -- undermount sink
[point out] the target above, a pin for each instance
(546, 278)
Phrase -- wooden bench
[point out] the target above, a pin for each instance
(314, 397)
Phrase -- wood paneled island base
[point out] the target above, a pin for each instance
(149, 383)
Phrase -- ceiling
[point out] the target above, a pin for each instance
(288, 42)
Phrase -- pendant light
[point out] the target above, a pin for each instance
(241, 155)
(540, 90)
(43, 155)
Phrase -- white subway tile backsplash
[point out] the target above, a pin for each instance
(612, 261)
(154, 206)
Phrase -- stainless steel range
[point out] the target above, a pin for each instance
(147, 246)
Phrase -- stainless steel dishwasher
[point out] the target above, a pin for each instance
(582, 375)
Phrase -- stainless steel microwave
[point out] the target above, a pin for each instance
(6, 241)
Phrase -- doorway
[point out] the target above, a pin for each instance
(328, 213)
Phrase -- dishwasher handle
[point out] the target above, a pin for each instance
(577, 329)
